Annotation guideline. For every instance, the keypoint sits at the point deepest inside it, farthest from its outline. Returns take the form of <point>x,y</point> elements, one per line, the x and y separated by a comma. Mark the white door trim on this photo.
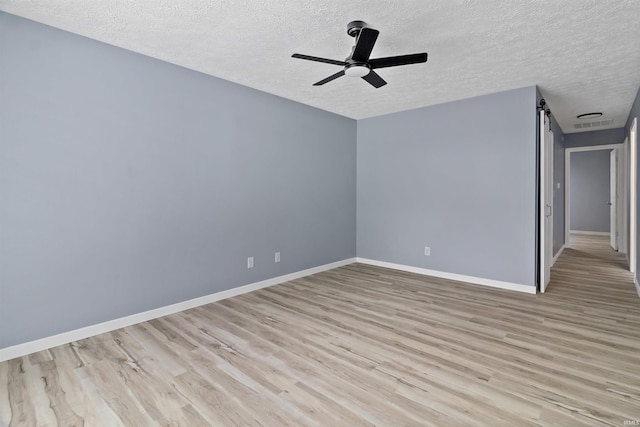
<point>613,198</point>
<point>633,171</point>
<point>567,183</point>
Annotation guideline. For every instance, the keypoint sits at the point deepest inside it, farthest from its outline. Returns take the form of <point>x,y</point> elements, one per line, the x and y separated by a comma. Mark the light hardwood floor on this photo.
<point>358,345</point>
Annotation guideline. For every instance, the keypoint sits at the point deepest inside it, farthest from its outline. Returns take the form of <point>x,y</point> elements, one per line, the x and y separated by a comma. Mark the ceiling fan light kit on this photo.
<point>356,70</point>
<point>358,63</point>
<point>589,115</point>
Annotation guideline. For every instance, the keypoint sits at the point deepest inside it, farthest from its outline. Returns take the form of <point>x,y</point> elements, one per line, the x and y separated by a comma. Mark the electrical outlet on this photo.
<point>427,251</point>
<point>250,262</point>
<point>277,257</point>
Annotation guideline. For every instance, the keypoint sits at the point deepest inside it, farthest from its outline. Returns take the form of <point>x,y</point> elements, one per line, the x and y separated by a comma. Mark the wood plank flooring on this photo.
<point>358,345</point>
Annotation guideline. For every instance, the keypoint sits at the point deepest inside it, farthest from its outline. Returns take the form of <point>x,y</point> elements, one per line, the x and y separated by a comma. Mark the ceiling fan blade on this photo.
<point>364,45</point>
<point>394,61</point>
<point>328,79</point>
<point>374,79</point>
<point>317,59</point>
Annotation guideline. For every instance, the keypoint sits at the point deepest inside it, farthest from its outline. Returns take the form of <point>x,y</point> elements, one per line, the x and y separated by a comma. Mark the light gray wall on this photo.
<point>127,183</point>
<point>458,177</point>
<point>635,112</point>
<point>590,190</point>
<point>599,137</point>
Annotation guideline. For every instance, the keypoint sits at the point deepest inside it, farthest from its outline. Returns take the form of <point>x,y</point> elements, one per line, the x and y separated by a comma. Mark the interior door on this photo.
<point>546,201</point>
<point>623,197</point>
<point>613,199</point>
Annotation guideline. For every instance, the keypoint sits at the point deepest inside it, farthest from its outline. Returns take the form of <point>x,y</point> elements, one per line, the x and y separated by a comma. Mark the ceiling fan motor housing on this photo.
<point>354,27</point>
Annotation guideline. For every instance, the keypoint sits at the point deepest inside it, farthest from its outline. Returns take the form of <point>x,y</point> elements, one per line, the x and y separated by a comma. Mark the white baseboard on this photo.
<point>89,331</point>
<point>452,276</point>
<point>635,281</point>
<point>590,233</point>
<point>556,256</point>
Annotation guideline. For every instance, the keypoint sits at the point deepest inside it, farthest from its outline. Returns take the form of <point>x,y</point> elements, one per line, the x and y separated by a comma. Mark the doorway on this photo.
<point>612,202</point>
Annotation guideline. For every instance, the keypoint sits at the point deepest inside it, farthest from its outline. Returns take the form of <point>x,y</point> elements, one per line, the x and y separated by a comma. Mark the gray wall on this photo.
<point>599,137</point>
<point>127,183</point>
<point>590,190</point>
<point>458,177</point>
<point>635,112</point>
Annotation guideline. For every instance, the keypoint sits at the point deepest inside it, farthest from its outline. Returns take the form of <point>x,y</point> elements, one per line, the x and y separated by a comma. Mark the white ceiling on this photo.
<point>583,54</point>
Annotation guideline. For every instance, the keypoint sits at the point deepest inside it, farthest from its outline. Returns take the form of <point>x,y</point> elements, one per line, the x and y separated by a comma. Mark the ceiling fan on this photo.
<point>358,63</point>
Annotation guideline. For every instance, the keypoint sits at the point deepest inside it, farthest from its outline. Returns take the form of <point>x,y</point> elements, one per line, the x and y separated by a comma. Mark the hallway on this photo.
<point>590,269</point>
<point>598,309</point>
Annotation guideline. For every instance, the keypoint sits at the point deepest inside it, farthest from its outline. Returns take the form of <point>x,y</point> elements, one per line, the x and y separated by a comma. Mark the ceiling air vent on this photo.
<point>592,124</point>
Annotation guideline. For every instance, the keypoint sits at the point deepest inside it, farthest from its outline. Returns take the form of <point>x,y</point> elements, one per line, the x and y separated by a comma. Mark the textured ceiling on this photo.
<point>583,54</point>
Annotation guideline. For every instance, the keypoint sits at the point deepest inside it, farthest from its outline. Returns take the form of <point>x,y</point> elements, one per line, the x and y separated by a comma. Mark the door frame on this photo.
<point>567,183</point>
<point>614,198</point>
<point>633,171</point>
